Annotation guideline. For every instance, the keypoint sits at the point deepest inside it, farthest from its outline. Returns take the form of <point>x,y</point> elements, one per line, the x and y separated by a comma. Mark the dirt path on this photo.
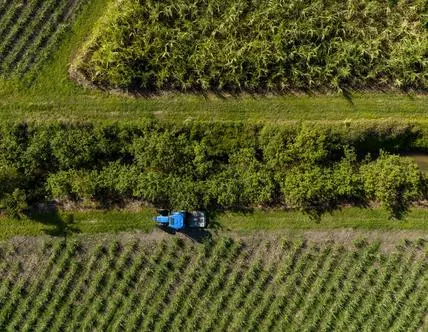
<point>388,239</point>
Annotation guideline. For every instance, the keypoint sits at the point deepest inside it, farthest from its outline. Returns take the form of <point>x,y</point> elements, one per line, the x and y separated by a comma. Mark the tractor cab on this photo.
<point>174,220</point>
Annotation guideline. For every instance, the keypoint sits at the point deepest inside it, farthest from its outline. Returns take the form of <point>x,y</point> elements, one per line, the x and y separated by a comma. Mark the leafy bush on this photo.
<point>317,189</point>
<point>310,189</point>
<point>184,193</point>
<point>74,147</point>
<point>114,182</point>
<point>152,187</point>
<point>162,151</point>
<point>393,181</point>
<point>256,181</point>
<point>75,185</point>
<point>13,200</point>
<point>9,178</point>
<point>308,144</point>
<point>14,204</point>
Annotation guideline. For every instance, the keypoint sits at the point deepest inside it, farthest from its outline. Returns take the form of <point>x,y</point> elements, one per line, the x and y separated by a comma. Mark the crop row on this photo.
<point>29,32</point>
<point>220,285</point>
<point>259,45</point>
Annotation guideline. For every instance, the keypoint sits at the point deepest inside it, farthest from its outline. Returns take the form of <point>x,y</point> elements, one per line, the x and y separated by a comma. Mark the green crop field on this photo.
<point>300,127</point>
<point>259,45</point>
<point>255,285</point>
<point>30,31</point>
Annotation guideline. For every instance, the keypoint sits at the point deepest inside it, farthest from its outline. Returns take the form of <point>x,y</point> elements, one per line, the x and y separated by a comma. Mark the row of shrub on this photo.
<point>314,168</point>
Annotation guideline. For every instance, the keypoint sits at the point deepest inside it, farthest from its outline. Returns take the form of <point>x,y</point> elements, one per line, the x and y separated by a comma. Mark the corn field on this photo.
<point>30,31</point>
<point>260,45</point>
<point>177,285</point>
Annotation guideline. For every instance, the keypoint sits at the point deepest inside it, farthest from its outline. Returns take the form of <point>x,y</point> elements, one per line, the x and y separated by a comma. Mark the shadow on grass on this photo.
<point>63,226</point>
<point>347,94</point>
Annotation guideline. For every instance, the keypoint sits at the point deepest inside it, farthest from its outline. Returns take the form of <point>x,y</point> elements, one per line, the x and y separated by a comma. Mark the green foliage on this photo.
<point>184,193</point>
<point>13,201</point>
<point>316,189</point>
<point>74,147</point>
<point>198,165</point>
<point>393,181</point>
<point>308,144</point>
<point>151,187</point>
<point>9,179</point>
<point>14,204</point>
<point>253,182</point>
<point>114,181</point>
<point>162,151</point>
<point>169,191</point>
<point>258,45</point>
<point>71,185</point>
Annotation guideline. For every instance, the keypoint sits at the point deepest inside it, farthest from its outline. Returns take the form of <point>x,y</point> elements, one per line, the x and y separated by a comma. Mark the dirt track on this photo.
<point>389,240</point>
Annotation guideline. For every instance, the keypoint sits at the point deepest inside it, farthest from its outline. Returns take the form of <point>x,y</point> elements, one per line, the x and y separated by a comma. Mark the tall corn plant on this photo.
<point>260,45</point>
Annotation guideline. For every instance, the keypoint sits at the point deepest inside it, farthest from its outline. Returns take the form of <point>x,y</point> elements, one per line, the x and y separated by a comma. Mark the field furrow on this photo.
<point>30,31</point>
<point>221,285</point>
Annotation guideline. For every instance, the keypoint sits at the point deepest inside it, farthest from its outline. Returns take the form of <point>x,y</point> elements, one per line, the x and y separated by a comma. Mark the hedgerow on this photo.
<point>314,168</point>
<point>258,45</point>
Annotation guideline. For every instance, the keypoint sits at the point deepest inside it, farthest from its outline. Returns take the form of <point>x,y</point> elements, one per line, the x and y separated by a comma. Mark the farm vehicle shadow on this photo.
<point>198,235</point>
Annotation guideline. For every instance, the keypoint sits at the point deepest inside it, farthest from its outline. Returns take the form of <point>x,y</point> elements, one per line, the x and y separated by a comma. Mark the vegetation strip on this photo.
<point>311,168</point>
<point>257,46</point>
<point>281,280</point>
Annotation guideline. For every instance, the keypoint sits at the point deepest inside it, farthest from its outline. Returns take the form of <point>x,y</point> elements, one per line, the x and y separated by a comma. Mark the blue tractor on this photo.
<point>180,220</point>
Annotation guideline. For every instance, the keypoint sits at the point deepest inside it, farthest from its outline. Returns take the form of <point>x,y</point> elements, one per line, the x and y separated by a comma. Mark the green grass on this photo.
<point>352,218</point>
<point>261,284</point>
<point>92,106</point>
<point>421,160</point>
<point>83,222</point>
<point>92,222</point>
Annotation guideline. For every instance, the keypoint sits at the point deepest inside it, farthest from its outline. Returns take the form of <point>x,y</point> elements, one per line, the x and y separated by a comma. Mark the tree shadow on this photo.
<point>213,219</point>
<point>347,94</point>
<point>64,226</point>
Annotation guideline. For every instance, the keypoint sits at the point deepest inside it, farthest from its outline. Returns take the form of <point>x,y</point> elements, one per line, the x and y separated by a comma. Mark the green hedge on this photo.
<point>241,45</point>
<point>315,168</point>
